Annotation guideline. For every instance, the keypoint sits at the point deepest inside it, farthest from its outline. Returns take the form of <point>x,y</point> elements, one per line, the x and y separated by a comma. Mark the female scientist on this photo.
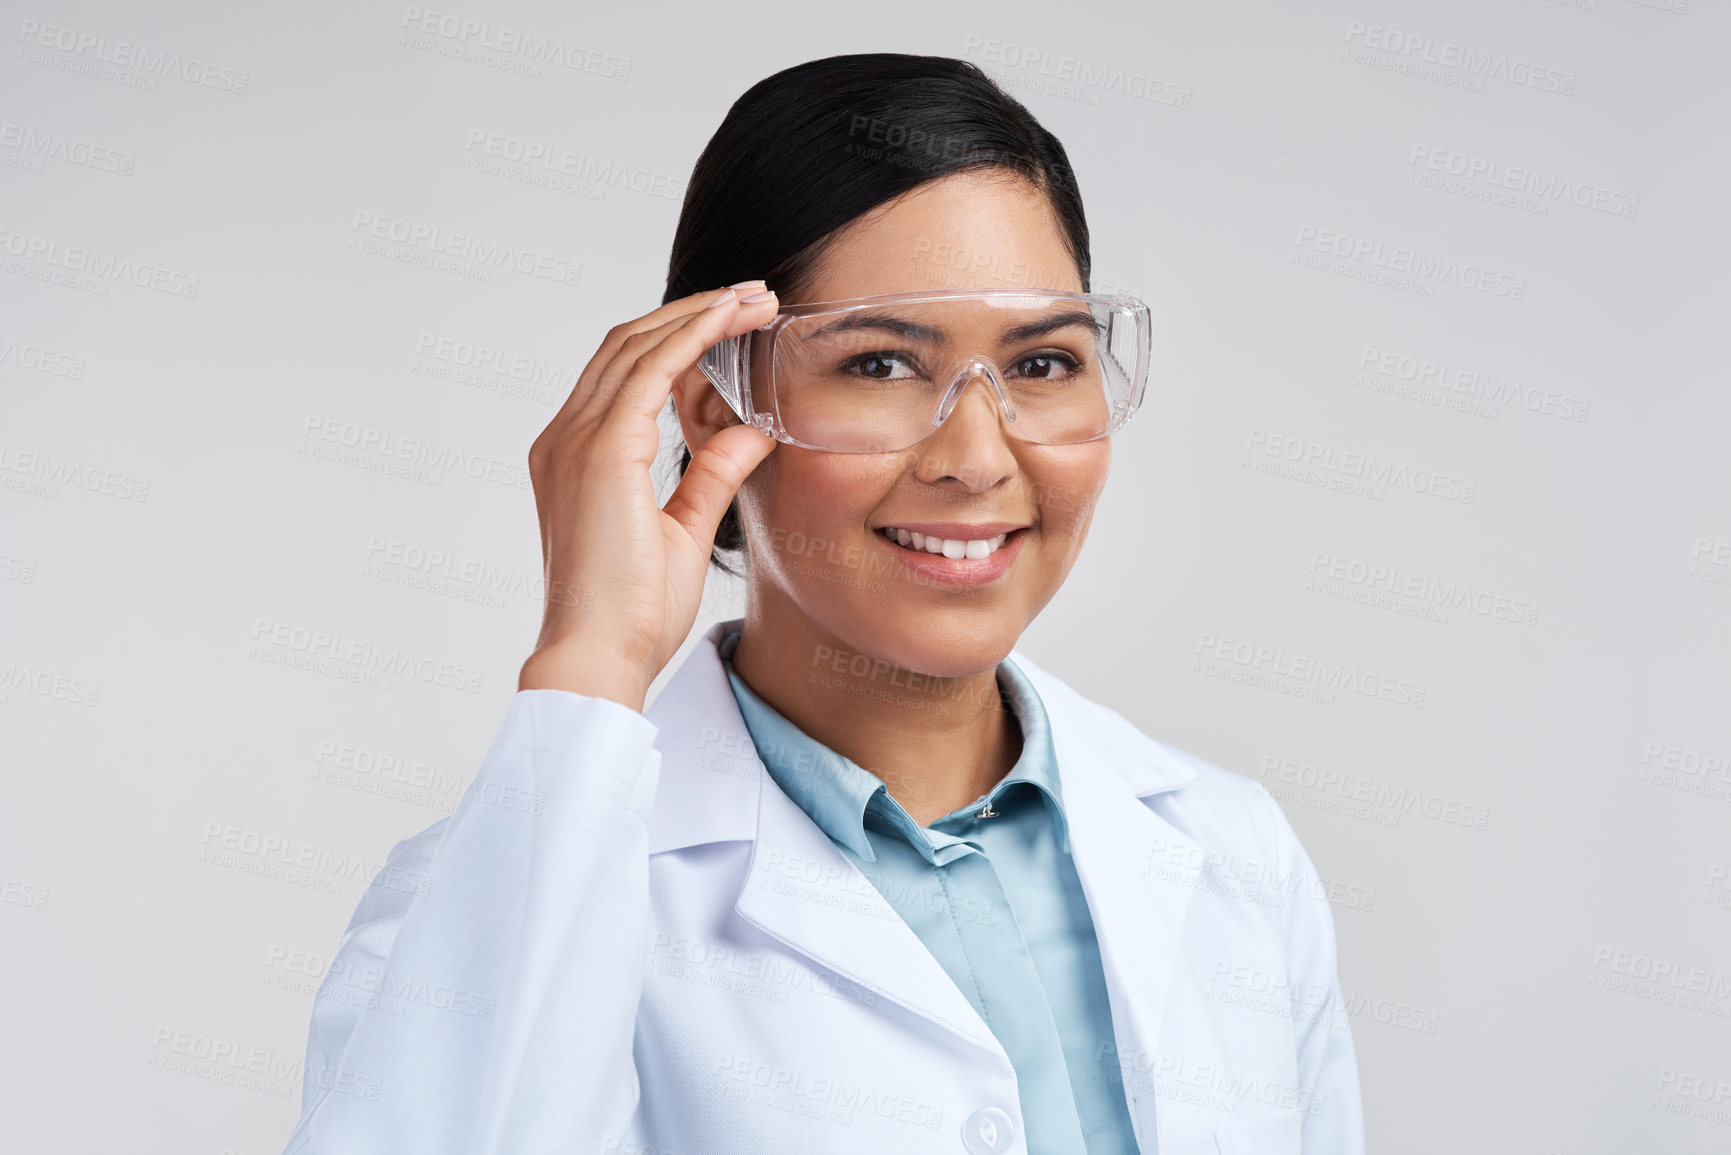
<point>863,879</point>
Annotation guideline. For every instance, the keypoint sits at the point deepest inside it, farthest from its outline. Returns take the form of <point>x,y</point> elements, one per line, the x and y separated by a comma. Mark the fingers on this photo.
<point>615,386</point>
<point>641,375</point>
<point>606,375</point>
<point>673,310</point>
<point>717,470</point>
<point>661,356</point>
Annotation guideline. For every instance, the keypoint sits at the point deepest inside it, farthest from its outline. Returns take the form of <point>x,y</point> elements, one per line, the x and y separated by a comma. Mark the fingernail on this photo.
<point>725,296</point>
<point>748,284</point>
<point>756,297</point>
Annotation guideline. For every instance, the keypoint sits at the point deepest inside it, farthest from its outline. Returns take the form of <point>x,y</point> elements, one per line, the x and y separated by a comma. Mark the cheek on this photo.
<point>1067,486</point>
<point>813,492</point>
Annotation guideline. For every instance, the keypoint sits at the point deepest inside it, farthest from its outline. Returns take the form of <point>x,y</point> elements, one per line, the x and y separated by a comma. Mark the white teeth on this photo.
<point>949,547</point>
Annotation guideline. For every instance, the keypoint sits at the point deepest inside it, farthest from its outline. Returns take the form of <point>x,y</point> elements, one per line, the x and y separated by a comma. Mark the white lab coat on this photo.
<point>627,939</point>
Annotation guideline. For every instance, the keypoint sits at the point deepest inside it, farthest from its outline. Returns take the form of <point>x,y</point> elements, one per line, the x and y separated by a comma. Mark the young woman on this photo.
<point>863,878</point>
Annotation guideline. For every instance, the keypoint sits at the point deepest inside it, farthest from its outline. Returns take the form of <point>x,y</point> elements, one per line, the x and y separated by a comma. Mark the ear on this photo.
<point>701,408</point>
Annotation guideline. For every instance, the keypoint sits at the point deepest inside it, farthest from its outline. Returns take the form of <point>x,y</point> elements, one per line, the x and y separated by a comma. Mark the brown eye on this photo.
<point>1046,367</point>
<point>879,366</point>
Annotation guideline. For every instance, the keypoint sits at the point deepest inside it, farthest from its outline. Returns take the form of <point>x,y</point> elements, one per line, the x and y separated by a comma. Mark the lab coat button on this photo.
<point>987,1131</point>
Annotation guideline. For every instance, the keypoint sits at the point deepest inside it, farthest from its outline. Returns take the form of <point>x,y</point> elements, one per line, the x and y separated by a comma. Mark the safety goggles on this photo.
<point>879,374</point>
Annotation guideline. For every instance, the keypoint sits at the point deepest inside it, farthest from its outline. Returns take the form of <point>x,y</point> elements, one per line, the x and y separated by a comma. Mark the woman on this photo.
<point>862,879</point>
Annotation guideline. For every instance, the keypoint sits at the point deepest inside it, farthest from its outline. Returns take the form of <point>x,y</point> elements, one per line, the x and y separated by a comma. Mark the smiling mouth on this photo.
<point>953,548</point>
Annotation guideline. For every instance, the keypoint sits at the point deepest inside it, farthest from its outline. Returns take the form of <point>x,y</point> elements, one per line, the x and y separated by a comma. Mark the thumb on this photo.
<point>718,468</point>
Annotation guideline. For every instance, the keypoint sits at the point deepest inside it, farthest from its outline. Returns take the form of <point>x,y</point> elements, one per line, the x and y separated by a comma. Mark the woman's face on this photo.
<point>815,521</point>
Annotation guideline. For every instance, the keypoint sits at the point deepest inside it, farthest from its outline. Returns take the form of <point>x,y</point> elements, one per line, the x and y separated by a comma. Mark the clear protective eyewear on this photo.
<point>880,374</point>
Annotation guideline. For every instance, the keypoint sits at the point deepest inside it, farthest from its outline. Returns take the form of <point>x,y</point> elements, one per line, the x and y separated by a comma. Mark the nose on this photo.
<point>969,443</point>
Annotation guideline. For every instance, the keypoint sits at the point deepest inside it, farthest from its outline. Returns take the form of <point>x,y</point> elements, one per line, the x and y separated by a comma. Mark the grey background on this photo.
<point>1501,979</point>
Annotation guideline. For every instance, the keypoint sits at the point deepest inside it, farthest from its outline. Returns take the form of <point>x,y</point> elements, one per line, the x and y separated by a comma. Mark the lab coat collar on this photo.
<point>839,793</point>
<point>706,750</point>
<point>802,890</point>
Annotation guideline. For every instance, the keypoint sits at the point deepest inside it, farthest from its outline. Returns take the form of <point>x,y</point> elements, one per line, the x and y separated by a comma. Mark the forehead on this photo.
<point>970,230</point>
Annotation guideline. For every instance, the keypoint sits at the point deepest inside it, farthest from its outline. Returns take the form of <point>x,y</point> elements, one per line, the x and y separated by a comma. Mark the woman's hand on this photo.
<point>624,577</point>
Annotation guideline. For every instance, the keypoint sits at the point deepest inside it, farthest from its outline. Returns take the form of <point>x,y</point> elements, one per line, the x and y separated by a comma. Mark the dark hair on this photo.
<point>806,151</point>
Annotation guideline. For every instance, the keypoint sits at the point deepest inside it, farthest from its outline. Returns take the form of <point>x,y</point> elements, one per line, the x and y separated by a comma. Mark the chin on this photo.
<point>953,642</point>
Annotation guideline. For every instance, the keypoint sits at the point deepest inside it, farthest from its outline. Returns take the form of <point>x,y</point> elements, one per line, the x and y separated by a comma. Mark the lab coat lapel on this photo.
<point>800,888</point>
<point>1137,870</point>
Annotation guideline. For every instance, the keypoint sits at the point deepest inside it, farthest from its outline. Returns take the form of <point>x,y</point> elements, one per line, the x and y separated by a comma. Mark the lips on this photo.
<point>995,547</point>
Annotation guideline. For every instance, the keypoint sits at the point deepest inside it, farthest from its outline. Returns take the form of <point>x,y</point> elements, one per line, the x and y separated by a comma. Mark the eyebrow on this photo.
<point>1049,324</point>
<point>915,331</point>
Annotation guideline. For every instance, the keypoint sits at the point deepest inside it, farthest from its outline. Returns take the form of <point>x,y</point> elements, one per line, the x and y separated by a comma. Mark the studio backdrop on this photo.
<point>1425,524</point>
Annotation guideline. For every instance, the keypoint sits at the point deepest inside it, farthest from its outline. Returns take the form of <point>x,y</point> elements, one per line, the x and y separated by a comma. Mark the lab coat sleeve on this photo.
<point>1328,1091</point>
<point>483,999</point>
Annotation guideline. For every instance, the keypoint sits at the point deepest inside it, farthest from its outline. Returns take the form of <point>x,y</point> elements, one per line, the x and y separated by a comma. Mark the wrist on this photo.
<point>582,673</point>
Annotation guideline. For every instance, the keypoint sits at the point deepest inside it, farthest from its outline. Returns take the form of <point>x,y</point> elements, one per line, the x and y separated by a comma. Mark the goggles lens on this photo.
<point>882,373</point>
